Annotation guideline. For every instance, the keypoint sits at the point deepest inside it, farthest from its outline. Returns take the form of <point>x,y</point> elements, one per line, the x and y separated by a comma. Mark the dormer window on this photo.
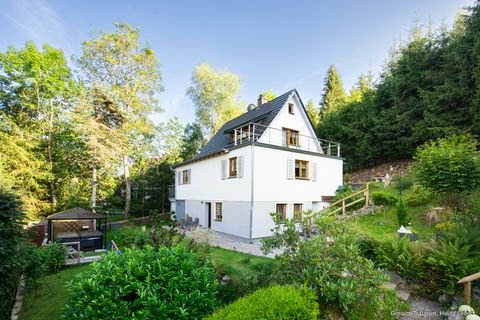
<point>291,137</point>
<point>291,108</point>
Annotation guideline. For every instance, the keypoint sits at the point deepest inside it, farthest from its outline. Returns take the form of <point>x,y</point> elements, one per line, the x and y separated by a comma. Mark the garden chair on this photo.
<point>72,253</point>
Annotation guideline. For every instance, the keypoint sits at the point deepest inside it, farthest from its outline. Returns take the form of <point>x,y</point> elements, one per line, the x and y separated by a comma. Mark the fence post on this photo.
<point>467,292</point>
<point>343,207</point>
<point>367,195</point>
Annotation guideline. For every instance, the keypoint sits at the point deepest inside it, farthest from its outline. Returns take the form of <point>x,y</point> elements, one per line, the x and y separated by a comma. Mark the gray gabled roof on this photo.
<point>263,115</point>
<point>76,214</point>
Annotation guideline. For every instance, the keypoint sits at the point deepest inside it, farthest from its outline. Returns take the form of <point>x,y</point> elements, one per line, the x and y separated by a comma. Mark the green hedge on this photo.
<point>276,303</point>
<point>164,283</point>
<point>383,199</point>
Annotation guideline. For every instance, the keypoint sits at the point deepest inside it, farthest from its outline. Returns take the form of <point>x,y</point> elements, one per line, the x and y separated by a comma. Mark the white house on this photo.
<point>266,160</point>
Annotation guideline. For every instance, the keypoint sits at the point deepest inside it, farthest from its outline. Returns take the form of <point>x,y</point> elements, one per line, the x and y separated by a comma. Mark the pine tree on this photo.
<point>333,93</point>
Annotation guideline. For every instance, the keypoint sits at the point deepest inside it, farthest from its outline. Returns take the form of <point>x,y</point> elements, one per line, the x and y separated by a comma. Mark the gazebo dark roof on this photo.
<point>76,214</point>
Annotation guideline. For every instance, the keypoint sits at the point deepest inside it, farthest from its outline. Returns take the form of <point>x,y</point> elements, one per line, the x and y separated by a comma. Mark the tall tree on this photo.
<point>313,112</point>
<point>192,142</point>
<point>215,95</point>
<point>99,118</point>
<point>117,61</point>
<point>171,140</point>
<point>36,89</point>
<point>334,94</point>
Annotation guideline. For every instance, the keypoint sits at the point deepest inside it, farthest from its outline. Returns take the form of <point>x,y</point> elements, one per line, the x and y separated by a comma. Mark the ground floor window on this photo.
<point>281,210</point>
<point>218,211</point>
<point>297,211</point>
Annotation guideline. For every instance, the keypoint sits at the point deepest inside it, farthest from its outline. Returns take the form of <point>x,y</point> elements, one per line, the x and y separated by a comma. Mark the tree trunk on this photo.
<point>53,189</point>
<point>94,189</point>
<point>128,187</point>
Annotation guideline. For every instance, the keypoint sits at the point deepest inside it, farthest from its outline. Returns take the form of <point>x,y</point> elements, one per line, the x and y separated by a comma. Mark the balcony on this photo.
<point>284,138</point>
<point>171,191</point>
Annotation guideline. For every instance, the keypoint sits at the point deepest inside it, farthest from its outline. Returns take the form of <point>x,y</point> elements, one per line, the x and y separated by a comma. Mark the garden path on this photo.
<point>420,308</point>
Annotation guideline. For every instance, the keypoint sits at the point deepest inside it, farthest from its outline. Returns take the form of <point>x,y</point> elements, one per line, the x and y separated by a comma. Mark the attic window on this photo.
<point>291,108</point>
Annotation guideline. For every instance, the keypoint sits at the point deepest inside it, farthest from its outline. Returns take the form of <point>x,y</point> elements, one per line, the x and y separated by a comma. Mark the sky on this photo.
<point>277,45</point>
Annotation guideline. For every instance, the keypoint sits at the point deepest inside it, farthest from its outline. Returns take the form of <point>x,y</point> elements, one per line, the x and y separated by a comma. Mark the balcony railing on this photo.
<point>278,137</point>
<point>171,191</point>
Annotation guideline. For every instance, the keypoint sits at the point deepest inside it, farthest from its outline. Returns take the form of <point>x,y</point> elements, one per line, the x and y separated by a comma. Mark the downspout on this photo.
<point>252,148</point>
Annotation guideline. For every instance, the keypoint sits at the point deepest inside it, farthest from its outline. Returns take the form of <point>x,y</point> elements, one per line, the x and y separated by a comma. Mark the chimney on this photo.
<point>261,100</point>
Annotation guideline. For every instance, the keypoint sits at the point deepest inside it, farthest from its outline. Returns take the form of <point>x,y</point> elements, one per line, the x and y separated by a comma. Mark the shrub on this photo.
<point>125,237</point>
<point>383,199</point>
<point>402,183</point>
<point>331,264</point>
<point>401,256</point>
<point>448,263</point>
<point>449,167</point>
<point>402,213</point>
<point>163,283</point>
<point>416,200</point>
<point>239,286</point>
<point>142,239</point>
<point>34,266</point>
<point>11,240</point>
<point>277,302</point>
<point>54,255</point>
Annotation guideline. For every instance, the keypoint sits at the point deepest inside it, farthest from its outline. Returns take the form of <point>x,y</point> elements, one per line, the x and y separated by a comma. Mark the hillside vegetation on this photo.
<point>430,88</point>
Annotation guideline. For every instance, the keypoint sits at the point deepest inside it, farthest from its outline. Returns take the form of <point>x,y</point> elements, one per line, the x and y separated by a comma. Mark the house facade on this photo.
<point>266,160</point>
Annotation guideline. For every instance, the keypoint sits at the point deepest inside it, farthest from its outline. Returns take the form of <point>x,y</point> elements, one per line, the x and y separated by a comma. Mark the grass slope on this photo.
<point>46,304</point>
<point>384,225</point>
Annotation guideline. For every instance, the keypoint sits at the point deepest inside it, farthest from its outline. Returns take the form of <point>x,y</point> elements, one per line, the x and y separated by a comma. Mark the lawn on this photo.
<point>384,224</point>
<point>46,304</point>
<point>236,264</point>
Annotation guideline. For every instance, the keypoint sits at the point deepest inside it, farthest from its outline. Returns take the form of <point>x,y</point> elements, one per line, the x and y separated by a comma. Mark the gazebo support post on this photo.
<point>49,231</point>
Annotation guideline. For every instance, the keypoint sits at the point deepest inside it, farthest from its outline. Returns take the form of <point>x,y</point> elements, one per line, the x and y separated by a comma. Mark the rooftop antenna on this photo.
<point>250,107</point>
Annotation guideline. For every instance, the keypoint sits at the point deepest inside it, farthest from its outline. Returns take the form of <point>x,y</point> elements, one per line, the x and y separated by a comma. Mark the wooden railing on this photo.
<point>342,205</point>
<point>467,289</point>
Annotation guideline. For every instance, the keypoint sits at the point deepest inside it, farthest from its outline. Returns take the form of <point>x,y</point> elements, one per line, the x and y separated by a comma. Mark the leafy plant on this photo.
<point>125,237</point>
<point>331,264</point>
<point>401,256</point>
<point>448,263</point>
<point>277,302</point>
<point>34,268</point>
<point>163,283</point>
<point>449,167</point>
<point>381,198</point>
<point>54,256</point>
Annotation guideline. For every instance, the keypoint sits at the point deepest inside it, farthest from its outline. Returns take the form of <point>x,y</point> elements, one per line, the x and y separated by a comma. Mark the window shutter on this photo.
<point>189,176</point>
<point>224,169</point>
<point>179,175</point>
<point>290,169</point>
<point>240,167</point>
<point>284,138</point>
<point>314,171</point>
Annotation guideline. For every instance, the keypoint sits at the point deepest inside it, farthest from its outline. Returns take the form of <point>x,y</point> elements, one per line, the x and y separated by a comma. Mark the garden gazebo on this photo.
<point>78,225</point>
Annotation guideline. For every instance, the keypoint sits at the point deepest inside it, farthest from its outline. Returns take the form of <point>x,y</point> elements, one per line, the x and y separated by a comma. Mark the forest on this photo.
<point>80,133</point>
<point>429,89</point>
